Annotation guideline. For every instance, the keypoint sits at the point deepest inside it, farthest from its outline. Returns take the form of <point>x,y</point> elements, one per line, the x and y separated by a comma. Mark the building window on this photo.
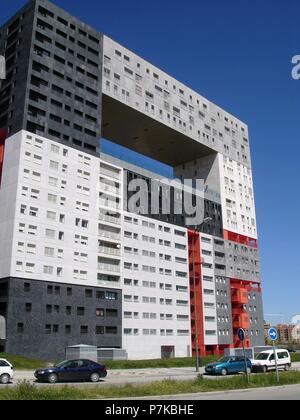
<point>100,312</point>
<point>20,328</point>
<point>80,311</point>
<point>28,307</point>
<point>55,328</point>
<point>84,329</point>
<point>88,293</point>
<point>112,313</point>
<point>48,329</point>
<point>99,330</point>
<point>50,290</point>
<point>27,287</point>
<point>111,330</point>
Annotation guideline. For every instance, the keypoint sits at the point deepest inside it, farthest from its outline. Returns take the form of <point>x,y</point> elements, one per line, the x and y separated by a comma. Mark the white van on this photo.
<point>6,372</point>
<point>265,360</point>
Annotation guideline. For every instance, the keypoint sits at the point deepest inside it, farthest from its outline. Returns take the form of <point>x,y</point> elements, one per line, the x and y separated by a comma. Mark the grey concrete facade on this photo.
<point>44,318</point>
<point>256,318</point>
<point>54,76</point>
<point>242,262</point>
<point>224,310</point>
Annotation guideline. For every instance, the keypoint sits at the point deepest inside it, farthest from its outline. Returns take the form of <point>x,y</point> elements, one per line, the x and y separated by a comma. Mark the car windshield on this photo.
<point>62,364</point>
<point>262,356</point>
<point>224,359</point>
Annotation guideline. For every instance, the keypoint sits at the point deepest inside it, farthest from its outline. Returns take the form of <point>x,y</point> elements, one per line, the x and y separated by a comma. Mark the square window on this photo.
<point>26,287</point>
<point>20,328</point>
<point>28,307</point>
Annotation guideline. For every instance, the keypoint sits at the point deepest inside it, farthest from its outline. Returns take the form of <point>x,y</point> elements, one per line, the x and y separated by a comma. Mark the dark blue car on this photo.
<point>72,371</point>
<point>229,365</point>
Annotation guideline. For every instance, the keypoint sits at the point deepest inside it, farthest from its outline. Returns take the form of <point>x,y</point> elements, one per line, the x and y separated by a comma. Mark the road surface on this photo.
<point>133,376</point>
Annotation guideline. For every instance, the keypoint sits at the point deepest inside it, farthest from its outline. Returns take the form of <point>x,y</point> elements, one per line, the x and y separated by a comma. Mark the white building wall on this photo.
<point>137,83</point>
<point>156,305</point>
<point>209,291</point>
<point>237,197</point>
<point>50,213</point>
<point>8,192</point>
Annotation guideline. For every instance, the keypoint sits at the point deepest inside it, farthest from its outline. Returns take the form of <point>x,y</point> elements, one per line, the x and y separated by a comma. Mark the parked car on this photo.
<point>229,365</point>
<point>6,372</point>
<point>73,371</point>
<point>292,350</point>
<point>265,360</point>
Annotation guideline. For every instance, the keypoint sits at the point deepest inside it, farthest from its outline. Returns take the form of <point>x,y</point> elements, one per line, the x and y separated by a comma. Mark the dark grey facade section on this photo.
<point>54,76</point>
<point>170,195</point>
<point>223,295</point>
<point>224,311</point>
<point>242,262</point>
<point>256,318</point>
<point>43,318</point>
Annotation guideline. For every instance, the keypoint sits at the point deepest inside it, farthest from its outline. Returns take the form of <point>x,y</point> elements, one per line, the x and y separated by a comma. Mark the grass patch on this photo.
<point>295,357</point>
<point>23,363</point>
<point>160,363</point>
<point>26,391</point>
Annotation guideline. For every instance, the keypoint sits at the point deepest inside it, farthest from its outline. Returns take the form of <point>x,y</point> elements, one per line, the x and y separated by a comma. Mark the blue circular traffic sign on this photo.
<point>241,334</point>
<point>273,334</point>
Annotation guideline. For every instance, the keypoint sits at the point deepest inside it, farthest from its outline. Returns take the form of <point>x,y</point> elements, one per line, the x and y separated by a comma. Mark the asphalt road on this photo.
<point>132,376</point>
<point>121,377</point>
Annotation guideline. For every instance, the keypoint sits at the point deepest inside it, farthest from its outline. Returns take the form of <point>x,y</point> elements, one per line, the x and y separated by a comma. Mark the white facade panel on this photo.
<point>156,299</point>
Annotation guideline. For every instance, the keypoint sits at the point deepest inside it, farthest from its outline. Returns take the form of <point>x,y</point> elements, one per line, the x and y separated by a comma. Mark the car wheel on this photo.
<point>264,369</point>
<point>95,377</point>
<point>52,379</point>
<point>287,368</point>
<point>5,379</point>
<point>224,372</point>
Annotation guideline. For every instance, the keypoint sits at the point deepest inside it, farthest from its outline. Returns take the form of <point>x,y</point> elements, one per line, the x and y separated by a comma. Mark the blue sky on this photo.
<point>238,54</point>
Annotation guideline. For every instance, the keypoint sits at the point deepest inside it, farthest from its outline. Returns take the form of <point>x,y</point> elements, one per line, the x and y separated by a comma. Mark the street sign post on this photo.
<point>242,337</point>
<point>273,335</point>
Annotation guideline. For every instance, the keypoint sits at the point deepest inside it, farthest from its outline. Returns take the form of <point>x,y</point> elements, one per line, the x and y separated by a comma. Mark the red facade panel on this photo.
<point>196,295</point>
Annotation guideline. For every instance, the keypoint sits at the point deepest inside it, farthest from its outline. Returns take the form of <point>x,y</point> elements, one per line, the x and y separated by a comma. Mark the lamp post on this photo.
<point>197,230</point>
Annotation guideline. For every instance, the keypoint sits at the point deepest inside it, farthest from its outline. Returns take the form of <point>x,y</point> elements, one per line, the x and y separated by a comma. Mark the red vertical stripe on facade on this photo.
<point>2,147</point>
<point>195,258</point>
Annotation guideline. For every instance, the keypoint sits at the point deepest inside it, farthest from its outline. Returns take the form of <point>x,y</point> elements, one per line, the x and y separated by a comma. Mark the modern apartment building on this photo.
<point>78,265</point>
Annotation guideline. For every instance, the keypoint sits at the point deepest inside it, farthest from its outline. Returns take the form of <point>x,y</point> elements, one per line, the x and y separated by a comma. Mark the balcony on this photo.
<point>239,296</point>
<point>240,321</point>
<point>111,268</point>
<point>109,235</point>
<point>219,260</point>
<point>109,251</point>
<point>112,204</point>
<point>110,219</point>
<point>109,189</point>
<point>109,173</point>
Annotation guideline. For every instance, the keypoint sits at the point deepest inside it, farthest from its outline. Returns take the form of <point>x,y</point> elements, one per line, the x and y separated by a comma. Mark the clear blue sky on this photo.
<point>237,53</point>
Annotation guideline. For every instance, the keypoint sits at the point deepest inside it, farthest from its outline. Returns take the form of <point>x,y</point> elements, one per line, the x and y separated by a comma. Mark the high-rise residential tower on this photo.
<point>77,265</point>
